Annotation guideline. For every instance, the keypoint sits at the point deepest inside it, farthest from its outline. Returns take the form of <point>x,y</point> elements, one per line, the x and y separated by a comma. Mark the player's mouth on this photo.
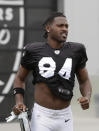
<point>64,35</point>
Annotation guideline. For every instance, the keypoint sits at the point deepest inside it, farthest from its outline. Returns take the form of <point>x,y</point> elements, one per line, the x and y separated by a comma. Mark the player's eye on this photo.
<point>66,25</point>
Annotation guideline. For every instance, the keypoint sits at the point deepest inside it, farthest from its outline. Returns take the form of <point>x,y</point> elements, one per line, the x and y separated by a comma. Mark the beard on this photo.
<point>59,40</point>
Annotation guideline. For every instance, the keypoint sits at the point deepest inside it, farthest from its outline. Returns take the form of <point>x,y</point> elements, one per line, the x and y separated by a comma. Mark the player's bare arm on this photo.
<point>85,88</point>
<point>18,86</point>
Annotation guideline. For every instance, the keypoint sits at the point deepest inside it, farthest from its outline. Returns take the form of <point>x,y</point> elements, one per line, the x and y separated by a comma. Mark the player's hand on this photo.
<point>84,102</point>
<point>17,109</point>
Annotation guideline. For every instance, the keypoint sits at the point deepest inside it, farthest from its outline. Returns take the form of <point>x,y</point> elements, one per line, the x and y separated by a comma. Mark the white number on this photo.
<point>65,71</point>
<point>47,67</point>
<point>4,36</point>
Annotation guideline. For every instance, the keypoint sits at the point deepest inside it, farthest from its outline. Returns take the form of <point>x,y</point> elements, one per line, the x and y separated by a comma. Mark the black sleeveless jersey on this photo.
<point>54,66</point>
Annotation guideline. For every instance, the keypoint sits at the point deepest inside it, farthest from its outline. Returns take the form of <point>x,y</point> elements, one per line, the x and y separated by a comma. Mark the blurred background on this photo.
<point>21,23</point>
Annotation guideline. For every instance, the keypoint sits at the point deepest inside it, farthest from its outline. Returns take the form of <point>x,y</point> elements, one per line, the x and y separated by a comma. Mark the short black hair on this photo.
<point>50,19</point>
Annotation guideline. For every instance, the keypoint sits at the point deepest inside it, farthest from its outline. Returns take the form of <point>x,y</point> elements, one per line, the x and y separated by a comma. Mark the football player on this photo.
<point>54,65</point>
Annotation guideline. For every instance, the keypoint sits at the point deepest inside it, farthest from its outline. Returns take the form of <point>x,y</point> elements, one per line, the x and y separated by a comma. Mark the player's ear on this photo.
<point>47,28</point>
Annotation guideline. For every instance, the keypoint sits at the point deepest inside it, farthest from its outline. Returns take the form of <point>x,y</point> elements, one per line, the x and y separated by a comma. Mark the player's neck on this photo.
<point>55,44</point>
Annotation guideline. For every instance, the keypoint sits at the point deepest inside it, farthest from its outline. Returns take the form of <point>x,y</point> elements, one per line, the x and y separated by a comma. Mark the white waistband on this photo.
<point>52,112</point>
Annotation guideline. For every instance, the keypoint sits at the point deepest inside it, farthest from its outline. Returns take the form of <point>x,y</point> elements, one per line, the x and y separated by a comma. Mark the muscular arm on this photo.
<point>19,82</point>
<point>85,87</point>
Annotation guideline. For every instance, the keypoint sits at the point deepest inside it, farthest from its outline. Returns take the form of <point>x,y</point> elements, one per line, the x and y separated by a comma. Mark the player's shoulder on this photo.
<point>34,46</point>
<point>76,45</point>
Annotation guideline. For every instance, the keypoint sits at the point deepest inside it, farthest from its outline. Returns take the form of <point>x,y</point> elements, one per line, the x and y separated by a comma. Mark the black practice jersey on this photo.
<point>54,66</point>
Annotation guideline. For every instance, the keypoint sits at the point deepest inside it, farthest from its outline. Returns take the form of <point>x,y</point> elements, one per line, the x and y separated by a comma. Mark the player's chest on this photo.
<point>55,59</point>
